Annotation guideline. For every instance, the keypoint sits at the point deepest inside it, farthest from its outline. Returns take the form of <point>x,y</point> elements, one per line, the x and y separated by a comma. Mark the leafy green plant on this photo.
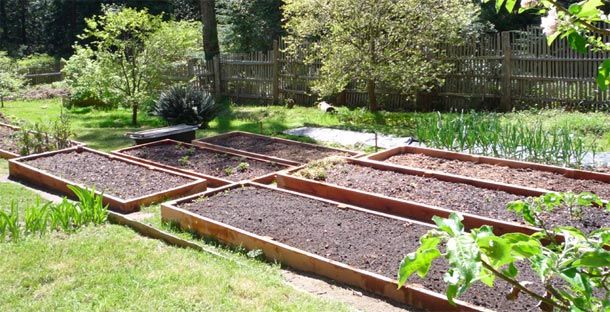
<point>573,267</point>
<point>185,104</point>
<point>37,63</point>
<point>184,160</point>
<point>40,137</point>
<point>10,80</point>
<point>229,171</point>
<point>65,216</point>
<point>243,167</point>
<point>488,135</point>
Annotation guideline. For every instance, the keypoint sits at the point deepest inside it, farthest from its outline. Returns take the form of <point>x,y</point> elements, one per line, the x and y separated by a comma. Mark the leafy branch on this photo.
<point>573,267</point>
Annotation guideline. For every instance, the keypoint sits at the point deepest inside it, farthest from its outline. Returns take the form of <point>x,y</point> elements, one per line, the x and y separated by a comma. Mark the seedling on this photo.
<point>229,171</point>
<point>243,167</point>
<point>184,160</point>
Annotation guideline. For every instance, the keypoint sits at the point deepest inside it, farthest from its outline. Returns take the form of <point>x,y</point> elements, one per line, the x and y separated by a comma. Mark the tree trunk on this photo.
<point>210,31</point>
<point>1,101</point>
<point>134,115</point>
<point>370,89</point>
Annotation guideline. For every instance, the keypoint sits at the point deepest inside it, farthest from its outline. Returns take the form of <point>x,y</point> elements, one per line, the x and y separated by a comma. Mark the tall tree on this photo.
<point>376,42</point>
<point>210,29</point>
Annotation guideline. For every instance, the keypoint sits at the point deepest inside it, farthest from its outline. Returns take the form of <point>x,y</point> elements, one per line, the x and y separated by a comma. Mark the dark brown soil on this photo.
<point>7,140</point>
<point>525,177</point>
<point>366,241</point>
<point>454,196</point>
<point>113,177</point>
<point>205,161</point>
<point>296,152</point>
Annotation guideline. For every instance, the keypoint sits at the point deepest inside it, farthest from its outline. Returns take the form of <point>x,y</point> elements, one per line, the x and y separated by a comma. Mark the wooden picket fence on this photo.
<point>507,70</point>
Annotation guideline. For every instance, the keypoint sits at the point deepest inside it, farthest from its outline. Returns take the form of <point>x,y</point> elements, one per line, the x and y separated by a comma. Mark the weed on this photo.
<point>229,171</point>
<point>317,170</point>
<point>190,151</point>
<point>184,160</point>
<point>243,167</point>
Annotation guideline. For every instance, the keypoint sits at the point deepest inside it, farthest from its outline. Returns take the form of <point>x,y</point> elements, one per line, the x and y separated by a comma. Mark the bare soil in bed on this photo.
<point>296,152</point>
<point>363,240</point>
<point>7,140</point>
<point>525,177</point>
<point>218,164</point>
<point>111,176</point>
<point>454,196</point>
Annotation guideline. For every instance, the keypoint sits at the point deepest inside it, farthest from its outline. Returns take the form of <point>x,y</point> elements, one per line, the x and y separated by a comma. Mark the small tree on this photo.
<point>10,80</point>
<point>389,42</point>
<point>131,50</point>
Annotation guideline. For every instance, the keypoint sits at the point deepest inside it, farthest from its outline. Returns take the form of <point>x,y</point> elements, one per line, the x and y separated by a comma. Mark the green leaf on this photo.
<point>522,245</point>
<point>420,260</point>
<point>575,8</point>
<point>551,38</point>
<point>586,199</point>
<point>589,9</point>
<point>511,271</point>
<point>496,249</point>
<point>596,258</point>
<point>452,226</point>
<point>499,5</point>
<point>603,75</point>
<point>510,5</point>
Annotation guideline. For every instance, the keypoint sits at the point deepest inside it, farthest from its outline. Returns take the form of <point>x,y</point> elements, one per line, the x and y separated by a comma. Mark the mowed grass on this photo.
<point>105,130</point>
<point>110,268</point>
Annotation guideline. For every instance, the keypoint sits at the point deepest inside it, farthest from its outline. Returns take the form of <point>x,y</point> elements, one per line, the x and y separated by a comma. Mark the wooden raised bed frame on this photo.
<point>305,261</point>
<point>213,181</point>
<point>567,172</point>
<point>10,155</point>
<point>19,170</point>
<point>406,208</point>
<point>202,142</point>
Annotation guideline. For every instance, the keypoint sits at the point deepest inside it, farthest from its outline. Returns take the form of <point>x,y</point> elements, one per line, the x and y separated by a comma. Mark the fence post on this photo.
<point>217,89</point>
<point>276,72</point>
<point>505,99</point>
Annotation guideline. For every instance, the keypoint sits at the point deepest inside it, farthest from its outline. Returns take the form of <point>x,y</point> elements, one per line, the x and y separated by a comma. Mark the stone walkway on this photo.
<point>349,138</point>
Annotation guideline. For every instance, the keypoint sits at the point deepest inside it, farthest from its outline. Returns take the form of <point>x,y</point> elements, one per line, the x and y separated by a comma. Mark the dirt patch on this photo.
<point>525,177</point>
<point>111,176</point>
<point>363,240</point>
<point>292,151</point>
<point>454,196</point>
<point>8,140</point>
<point>218,164</point>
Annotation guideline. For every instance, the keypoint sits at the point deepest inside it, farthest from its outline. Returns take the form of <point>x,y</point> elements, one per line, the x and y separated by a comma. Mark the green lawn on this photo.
<point>106,130</point>
<point>110,268</point>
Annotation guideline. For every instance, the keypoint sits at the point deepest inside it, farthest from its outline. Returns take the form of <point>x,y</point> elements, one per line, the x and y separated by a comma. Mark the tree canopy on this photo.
<point>385,42</point>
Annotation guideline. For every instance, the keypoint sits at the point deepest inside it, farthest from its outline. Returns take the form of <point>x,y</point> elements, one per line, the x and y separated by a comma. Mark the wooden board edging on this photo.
<point>213,181</point>
<point>203,142</point>
<point>308,262</point>
<point>19,170</point>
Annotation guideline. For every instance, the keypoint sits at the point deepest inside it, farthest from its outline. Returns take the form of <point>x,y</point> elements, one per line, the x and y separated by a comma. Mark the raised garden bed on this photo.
<point>125,184</point>
<point>416,194</point>
<point>496,169</point>
<point>9,148</point>
<point>271,148</point>
<point>217,167</point>
<point>349,244</point>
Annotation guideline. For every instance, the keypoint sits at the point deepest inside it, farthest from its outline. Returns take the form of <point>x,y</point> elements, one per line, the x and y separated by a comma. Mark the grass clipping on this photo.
<point>317,169</point>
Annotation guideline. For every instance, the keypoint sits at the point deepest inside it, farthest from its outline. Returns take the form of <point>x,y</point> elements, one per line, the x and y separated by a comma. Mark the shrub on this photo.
<point>184,104</point>
<point>40,138</point>
<point>37,63</point>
